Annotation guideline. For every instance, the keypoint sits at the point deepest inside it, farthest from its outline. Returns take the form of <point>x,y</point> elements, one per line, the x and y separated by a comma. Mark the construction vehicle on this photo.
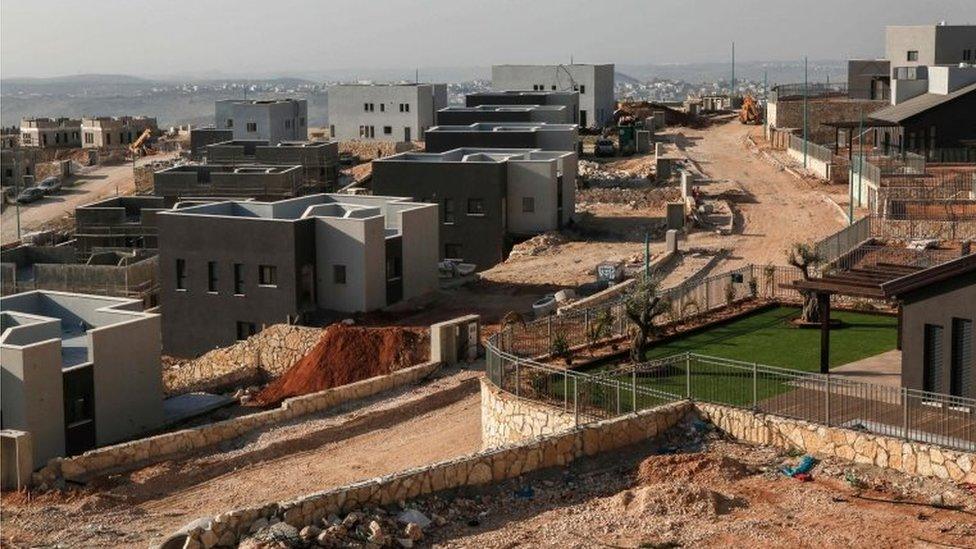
<point>139,147</point>
<point>750,113</point>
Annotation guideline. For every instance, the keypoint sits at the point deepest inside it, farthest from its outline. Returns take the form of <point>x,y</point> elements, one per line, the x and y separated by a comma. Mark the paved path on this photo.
<point>883,369</point>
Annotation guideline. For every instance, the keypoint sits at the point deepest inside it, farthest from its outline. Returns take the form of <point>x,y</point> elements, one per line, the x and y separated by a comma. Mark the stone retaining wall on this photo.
<point>140,452</point>
<point>481,468</point>
<point>912,458</point>
<point>265,355</point>
<point>507,420</point>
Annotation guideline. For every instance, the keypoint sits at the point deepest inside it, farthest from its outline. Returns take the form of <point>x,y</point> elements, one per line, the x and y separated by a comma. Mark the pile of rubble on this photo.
<point>594,174</point>
<point>370,527</point>
<point>634,198</point>
<point>371,150</point>
<point>538,245</point>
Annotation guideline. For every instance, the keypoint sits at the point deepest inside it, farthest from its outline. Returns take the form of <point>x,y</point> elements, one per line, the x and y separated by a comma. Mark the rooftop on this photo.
<point>504,108</point>
<point>476,155</point>
<point>504,127</point>
<point>39,316</point>
<point>522,92</point>
<point>917,105</point>
<point>259,101</point>
<point>251,143</point>
<point>249,169</point>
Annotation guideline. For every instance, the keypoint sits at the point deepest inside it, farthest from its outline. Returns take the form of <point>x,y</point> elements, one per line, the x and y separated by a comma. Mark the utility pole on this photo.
<point>805,91</point>
<point>732,88</point>
<point>765,100</point>
<point>647,255</point>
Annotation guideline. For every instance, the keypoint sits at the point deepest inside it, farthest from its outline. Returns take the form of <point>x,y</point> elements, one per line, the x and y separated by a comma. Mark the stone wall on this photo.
<point>120,457</point>
<point>908,457</point>
<point>476,469</point>
<point>789,114</point>
<point>265,355</point>
<point>508,420</point>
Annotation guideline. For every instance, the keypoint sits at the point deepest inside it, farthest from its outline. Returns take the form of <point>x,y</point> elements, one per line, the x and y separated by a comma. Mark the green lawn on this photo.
<point>765,337</point>
<point>768,338</point>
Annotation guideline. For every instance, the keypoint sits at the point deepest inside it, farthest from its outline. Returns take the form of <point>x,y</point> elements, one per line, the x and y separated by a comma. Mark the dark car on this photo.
<point>30,194</point>
<point>604,147</point>
<point>50,185</point>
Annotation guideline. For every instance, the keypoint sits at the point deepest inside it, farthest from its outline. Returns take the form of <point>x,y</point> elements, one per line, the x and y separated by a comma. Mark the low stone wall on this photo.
<point>908,457</point>
<point>143,451</point>
<point>814,165</point>
<point>508,420</point>
<point>476,469</point>
<point>266,355</point>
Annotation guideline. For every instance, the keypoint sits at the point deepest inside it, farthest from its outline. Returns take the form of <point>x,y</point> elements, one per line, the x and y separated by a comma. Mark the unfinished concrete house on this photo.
<point>124,222</point>
<point>227,181</point>
<point>108,131</point>
<point>79,371</point>
<point>568,99</point>
<point>272,120</point>
<point>50,132</point>
<point>319,159</point>
<point>228,269</point>
<point>594,83</point>
<point>488,198</point>
<point>201,137</point>
<point>384,112</point>
<point>550,114</point>
<point>504,135</point>
<point>912,49</point>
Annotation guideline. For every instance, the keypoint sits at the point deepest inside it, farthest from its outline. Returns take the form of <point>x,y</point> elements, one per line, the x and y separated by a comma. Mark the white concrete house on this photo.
<point>593,82</point>
<point>384,112</point>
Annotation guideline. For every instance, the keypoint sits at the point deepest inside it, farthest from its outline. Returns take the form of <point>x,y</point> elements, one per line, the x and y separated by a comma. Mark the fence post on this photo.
<point>755,385</point>
<point>617,383</point>
<point>516,378</point>
<point>586,323</point>
<point>576,400</point>
<point>633,389</point>
<point>688,375</point>
<point>549,333</point>
<point>827,400</point>
<point>904,412</point>
<point>565,390</point>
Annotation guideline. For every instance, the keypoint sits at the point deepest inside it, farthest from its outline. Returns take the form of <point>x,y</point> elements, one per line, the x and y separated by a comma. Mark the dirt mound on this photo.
<point>343,355</point>
<point>675,499</point>
<point>701,468</point>
<point>538,244</point>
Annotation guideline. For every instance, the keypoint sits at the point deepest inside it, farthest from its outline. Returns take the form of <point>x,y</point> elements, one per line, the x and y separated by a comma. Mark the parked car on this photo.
<point>30,194</point>
<point>604,147</point>
<point>50,185</point>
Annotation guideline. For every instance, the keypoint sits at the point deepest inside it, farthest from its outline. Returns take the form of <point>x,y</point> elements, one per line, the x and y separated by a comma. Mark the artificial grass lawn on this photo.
<point>765,337</point>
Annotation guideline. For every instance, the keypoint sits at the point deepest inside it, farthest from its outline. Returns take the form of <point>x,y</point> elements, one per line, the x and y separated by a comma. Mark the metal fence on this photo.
<point>813,150</point>
<point>844,240</point>
<point>931,418</point>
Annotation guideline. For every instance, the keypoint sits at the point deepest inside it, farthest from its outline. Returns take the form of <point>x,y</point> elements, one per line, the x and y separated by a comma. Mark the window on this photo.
<point>288,124</point>
<point>476,206</point>
<point>382,107</point>
<point>180,274</point>
<point>252,127</point>
<point>452,251</point>
<point>404,107</point>
<point>57,137</point>
<point>238,279</point>
<point>212,276</point>
<point>332,130</point>
<point>230,123</point>
<point>912,55</point>
<point>387,130</point>
<point>582,89</point>
<point>553,88</point>
<point>365,107</point>
<point>932,358</point>
<point>528,204</point>
<point>394,268</point>
<point>962,369</point>
<point>267,275</point>
<point>449,211</point>
<point>245,330</point>
<point>339,274</point>
<point>108,139</point>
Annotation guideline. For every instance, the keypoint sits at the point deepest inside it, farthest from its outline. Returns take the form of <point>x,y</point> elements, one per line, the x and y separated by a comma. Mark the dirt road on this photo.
<point>379,436</point>
<point>96,184</point>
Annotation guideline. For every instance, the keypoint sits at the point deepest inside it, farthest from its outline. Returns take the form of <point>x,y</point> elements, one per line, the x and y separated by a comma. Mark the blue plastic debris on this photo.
<point>806,464</point>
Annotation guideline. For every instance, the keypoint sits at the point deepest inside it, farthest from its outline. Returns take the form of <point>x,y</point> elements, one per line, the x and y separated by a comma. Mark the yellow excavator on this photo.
<point>750,113</point>
<point>139,146</point>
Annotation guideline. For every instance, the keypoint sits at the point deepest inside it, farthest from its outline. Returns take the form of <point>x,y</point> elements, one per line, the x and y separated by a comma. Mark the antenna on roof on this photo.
<point>416,76</point>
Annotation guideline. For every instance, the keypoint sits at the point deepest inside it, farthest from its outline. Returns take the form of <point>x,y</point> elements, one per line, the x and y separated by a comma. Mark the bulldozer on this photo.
<point>750,112</point>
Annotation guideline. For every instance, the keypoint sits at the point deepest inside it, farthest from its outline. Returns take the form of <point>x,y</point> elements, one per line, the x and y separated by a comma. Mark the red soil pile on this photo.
<point>346,354</point>
<point>702,468</point>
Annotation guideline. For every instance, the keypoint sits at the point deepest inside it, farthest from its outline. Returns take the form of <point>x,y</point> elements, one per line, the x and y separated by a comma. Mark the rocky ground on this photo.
<point>692,489</point>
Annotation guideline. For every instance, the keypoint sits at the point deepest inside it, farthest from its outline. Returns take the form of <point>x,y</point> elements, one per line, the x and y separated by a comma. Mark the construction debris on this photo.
<point>538,245</point>
<point>595,174</point>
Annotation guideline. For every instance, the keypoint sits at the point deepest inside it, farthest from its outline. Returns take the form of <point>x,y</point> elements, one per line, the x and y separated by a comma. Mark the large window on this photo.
<point>932,357</point>
<point>912,55</point>
<point>267,275</point>
<point>230,123</point>
<point>528,204</point>
<point>449,211</point>
<point>339,274</point>
<point>394,268</point>
<point>212,276</point>
<point>476,206</point>
<point>962,371</point>
<point>252,127</point>
<point>238,279</point>
<point>180,274</point>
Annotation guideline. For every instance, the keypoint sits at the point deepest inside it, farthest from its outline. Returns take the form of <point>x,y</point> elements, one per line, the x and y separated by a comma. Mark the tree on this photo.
<point>642,306</point>
<point>509,321</point>
<point>805,257</point>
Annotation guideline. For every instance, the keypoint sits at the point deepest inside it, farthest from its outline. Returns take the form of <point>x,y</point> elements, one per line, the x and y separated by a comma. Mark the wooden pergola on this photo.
<point>850,125</point>
<point>881,280</point>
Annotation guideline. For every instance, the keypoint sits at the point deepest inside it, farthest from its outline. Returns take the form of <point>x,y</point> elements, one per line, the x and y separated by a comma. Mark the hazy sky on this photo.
<point>58,37</point>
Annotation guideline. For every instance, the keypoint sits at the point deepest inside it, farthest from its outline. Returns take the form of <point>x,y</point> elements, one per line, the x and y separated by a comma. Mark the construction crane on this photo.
<point>750,112</point>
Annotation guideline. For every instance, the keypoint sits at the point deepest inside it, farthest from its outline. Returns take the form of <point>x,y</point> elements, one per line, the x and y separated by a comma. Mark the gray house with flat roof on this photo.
<point>550,114</point>
<point>319,159</point>
<point>227,181</point>
<point>504,135</point>
<point>488,198</point>
<point>273,120</point>
<point>79,371</point>
<point>594,83</point>
<point>230,268</point>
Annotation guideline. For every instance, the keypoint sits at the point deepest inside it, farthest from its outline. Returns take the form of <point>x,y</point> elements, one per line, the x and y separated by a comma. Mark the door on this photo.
<point>583,119</point>
<point>406,133</point>
<point>79,410</point>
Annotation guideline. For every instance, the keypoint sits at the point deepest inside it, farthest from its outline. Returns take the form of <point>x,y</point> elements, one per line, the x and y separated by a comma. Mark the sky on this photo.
<point>172,37</point>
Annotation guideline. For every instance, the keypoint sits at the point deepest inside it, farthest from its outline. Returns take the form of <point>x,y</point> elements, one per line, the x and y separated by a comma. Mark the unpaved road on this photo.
<point>382,435</point>
<point>96,184</point>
